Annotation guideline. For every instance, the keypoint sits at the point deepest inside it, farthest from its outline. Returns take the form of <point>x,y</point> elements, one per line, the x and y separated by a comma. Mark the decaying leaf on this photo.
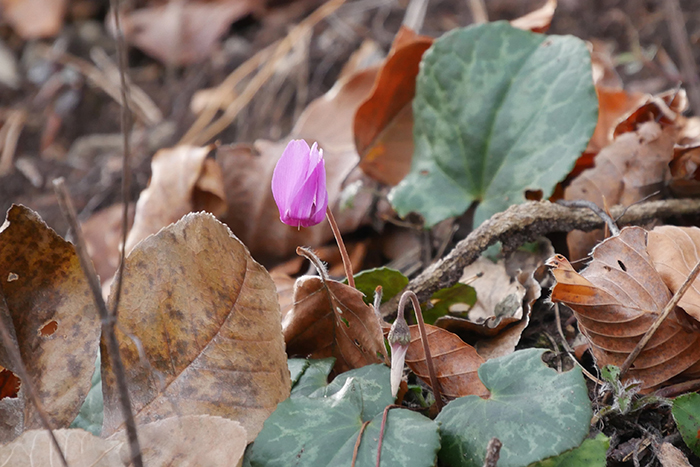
<point>253,215</point>
<point>82,449</point>
<point>628,170</point>
<point>685,176</point>
<point>616,298</point>
<point>182,33</point>
<point>204,315</point>
<point>674,253</point>
<point>55,322</point>
<point>190,440</point>
<point>456,363</point>
<point>538,20</point>
<point>330,319</point>
<point>184,180</point>
<point>384,122</point>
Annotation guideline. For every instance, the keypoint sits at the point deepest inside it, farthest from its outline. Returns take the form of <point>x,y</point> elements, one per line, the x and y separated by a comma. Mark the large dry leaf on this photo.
<point>253,215</point>
<point>207,319</point>
<point>184,179</point>
<point>183,32</point>
<point>616,298</point>
<point>628,170</point>
<point>33,19</point>
<point>82,449</point>
<point>54,320</point>
<point>330,319</point>
<point>384,122</point>
<point>200,440</point>
<point>456,363</point>
<point>675,251</point>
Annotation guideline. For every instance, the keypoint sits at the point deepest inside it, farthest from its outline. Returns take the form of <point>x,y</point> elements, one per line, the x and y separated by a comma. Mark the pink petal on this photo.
<point>290,172</point>
<point>398,356</point>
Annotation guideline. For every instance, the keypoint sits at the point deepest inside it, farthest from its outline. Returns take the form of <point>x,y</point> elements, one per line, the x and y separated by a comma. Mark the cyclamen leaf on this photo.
<point>686,413</point>
<point>497,111</point>
<point>591,453</point>
<point>534,411</point>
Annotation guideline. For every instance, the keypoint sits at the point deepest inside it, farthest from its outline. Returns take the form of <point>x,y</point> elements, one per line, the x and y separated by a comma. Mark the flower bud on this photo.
<point>299,185</point>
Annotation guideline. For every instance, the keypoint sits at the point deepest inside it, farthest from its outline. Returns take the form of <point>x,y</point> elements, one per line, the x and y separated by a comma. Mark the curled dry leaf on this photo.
<point>616,299</point>
<point>384,121</point>
<point>674,252</point>
<point>81,449</point>
<point>253,215</point>
<point>199,330</point>
<point>190,440</point>
<point>183,180</point>
<point>182,33</point>
<point>630,169</point>
<point>456,363</point>
<point>34,19</point>
<point>685,176</point>
<point>55,322</point>
<point>538,20</point>
<point>330,319</point>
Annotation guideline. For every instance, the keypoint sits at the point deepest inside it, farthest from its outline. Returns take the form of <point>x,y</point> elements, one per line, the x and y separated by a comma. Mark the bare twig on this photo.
<point>426,346</point>
<point>479,14</point>
<point>415,14</point>
<point>10,340</point>
<point>524,223</point>
<point>493,453</point>
<point>108,320</point>
<point>679,37</point>
<point>582,203</point>
<point>265,74</point>
<point>356,450</point>
<point>570,351</point>
<point>341,246</point>
<point>9,135</point>
<point>670,306</point>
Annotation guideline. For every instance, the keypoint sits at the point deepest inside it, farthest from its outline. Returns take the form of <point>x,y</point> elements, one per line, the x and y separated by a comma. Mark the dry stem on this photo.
<point>524,223</point>
<point>670,306</point>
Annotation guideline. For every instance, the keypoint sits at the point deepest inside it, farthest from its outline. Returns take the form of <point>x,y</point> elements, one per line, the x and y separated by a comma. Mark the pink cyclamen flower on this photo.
<point>299,184</point>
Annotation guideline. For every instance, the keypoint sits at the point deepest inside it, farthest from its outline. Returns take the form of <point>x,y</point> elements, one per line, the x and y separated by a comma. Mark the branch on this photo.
<point>523,223</point>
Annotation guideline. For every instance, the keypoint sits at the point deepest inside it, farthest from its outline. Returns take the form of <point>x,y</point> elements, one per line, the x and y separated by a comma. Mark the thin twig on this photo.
<point>479,13</point>
<point>670,306</point>
<point>524,223</point>
<point>267,71</point>
<point>426,346</point>
<point>570,351</point>
<point>356,450</point>
<point>679,37</point>
<point>580,203</point>
<point>10,131</point>
<point>106,318</point>
<point>385,415</point>
<point>13,352</point>
<point>341,246</point>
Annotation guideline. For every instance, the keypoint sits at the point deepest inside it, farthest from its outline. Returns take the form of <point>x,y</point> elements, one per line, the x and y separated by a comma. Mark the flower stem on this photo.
<point>341,247</point>
<point>426,347</point>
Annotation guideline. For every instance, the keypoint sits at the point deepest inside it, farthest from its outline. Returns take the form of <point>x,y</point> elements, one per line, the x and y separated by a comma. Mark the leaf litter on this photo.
<point>183,299</point>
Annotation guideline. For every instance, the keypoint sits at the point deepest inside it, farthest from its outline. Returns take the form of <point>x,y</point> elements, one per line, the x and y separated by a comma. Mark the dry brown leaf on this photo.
<point>182,32</point>
<point>82,449</point>
<point>55,322</point>
<point>616,298</point>
<point>253,215</point>
<point>456,363</point>
<point>651,110</point>
<point>285,291</point>
<point>183,180</point>
<point>628,170</point>
<point>671,456</point>
<point>685,176</point>
<point>34,19</point>
<point>674,252</point>
<point>207,319</point>
<point>330,319</point>
<point>538,20</point>
<point>193,440</point>
<point>384,121</point>
<point>505,294</point>
<point>103,236</point>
